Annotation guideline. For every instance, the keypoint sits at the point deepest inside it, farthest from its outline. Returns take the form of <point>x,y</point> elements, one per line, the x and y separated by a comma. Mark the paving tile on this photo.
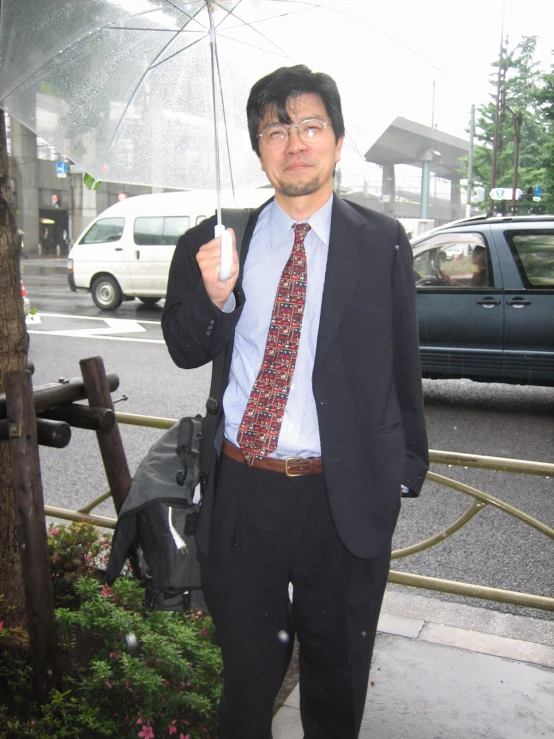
<point>389,623</point>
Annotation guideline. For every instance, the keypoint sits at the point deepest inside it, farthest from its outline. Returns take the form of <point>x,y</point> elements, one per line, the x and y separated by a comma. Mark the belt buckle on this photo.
<point>287,471</point>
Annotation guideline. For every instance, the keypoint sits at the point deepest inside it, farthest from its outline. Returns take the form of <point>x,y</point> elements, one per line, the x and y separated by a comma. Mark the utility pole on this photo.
<point>497,117</point>
<point>518,119</point>
<point>470,162</point>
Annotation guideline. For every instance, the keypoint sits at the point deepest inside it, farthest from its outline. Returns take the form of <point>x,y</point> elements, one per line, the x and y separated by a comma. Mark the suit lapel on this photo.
<point>347,255</point>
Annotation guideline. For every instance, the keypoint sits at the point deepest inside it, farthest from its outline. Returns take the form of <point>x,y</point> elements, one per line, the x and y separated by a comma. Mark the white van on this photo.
<point>126,251</point>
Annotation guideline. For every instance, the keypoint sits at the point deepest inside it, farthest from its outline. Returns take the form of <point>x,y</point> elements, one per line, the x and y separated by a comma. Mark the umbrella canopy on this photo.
<point>123,87</point>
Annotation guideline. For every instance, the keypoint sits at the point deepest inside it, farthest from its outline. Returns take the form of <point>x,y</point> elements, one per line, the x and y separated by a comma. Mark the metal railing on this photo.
<point>481,500</point>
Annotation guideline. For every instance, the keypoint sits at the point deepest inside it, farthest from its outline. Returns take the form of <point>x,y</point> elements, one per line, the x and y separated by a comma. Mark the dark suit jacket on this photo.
<point>366,378</point>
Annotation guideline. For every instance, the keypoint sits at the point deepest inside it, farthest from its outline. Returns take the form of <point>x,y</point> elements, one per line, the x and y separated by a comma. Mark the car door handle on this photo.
<point>137,254</point>
<point>118,248</point>
<point>518,302</point>
<point>488,302</point>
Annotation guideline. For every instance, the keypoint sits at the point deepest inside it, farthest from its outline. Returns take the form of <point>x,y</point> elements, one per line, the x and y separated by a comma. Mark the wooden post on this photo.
<point>31,529</point>
<point>111,445</point>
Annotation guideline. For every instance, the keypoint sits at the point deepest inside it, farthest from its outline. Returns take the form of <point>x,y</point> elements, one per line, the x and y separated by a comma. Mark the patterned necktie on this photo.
<point>260,426</point>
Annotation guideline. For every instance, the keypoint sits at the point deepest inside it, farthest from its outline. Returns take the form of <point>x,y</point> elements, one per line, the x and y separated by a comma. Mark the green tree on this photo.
<point>521,85</point>
<point>546,103</point>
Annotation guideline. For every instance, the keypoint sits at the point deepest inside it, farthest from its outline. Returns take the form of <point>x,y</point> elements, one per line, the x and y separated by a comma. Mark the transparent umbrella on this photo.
<point>154,91</point>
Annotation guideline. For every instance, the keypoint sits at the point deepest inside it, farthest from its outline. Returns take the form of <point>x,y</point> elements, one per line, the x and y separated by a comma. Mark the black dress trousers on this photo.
<point>269,530</point>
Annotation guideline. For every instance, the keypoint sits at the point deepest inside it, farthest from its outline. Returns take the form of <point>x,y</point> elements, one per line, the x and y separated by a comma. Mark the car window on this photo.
<point>199,219</point>
<point>454,262</point>
<point>174,226</point>
<point>104,230</point>
<point>148,231</point>
<point>534,256</point>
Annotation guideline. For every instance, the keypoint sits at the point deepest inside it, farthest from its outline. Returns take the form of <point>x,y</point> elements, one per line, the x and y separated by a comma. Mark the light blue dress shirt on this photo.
<point>269,250</point>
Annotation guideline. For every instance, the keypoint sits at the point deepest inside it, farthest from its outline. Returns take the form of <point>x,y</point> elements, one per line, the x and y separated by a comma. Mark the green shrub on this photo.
<point>127,672</point>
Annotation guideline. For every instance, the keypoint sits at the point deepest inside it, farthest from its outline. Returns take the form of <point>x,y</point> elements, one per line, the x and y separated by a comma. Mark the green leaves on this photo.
<point>522,92</point>
<point>123,664</point>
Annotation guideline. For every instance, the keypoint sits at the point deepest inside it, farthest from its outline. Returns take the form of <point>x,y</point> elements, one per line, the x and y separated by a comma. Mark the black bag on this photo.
<point>156,524</point>
<point>157,521</point>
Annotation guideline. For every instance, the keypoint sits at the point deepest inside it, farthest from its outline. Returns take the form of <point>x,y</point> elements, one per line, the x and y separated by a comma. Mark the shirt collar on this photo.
<point>320,221</point>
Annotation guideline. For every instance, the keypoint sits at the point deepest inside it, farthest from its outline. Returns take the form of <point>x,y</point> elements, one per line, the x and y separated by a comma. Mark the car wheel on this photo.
<point>149,302</point>
<point>106,293</point>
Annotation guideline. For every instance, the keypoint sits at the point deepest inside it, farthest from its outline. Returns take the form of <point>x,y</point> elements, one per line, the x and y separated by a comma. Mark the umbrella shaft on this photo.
<point>216,133</point>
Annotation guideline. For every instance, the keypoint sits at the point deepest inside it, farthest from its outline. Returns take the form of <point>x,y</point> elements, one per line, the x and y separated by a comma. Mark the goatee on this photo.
<point>298,189</point>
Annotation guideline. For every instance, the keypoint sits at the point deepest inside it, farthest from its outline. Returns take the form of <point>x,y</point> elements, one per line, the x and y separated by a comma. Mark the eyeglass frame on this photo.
<point>288,130</point>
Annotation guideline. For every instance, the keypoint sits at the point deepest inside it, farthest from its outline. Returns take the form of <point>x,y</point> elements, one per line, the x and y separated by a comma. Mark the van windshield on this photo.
<point>104,230</point>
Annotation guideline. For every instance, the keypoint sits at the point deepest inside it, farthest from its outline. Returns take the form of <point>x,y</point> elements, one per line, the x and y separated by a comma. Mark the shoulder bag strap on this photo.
<point>237,219</point>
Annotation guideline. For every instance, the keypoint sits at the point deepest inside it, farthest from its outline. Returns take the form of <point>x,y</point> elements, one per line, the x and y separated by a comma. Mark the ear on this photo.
<point>338,149</point>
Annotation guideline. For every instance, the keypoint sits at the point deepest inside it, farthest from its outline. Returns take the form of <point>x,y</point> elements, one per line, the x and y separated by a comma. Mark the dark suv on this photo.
<point>486,299</point>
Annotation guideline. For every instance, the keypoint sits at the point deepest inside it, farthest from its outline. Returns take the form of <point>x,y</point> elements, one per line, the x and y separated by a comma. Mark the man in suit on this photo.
<point>321,425</point>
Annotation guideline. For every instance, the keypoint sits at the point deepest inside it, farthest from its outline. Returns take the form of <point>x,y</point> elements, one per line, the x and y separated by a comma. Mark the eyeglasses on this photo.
<point>309,131</point>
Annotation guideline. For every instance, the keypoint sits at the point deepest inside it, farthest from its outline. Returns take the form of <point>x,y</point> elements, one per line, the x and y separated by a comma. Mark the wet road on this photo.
<point>490,419</point>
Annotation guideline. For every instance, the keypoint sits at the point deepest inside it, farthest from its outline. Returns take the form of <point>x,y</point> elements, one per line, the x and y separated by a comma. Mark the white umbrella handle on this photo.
<point>226,252</point>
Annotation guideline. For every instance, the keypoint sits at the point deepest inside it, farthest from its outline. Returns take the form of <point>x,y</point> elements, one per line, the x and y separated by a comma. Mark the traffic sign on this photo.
<point>504,193</point>
<point>61,169</point>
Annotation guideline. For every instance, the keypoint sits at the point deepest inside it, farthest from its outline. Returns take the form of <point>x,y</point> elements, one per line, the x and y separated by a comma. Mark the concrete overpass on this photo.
<point>408,142</point>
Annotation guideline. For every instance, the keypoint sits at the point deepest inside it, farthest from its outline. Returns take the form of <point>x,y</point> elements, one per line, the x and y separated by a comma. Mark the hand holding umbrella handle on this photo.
<point>226,252</point>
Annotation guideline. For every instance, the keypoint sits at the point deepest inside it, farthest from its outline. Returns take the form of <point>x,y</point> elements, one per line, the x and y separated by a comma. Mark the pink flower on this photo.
<point>171,729</point>
<point>182,736</point>
<point>53,531</point>
<point>203,630</point>
<point>56,557</point>
<point>1,625</point>
<point>108,684</point>
<point>106,590</point>
<point>146,733</point>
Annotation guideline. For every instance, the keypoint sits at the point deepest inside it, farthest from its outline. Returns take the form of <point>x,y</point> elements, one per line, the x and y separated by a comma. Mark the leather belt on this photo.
<point>291,467</point>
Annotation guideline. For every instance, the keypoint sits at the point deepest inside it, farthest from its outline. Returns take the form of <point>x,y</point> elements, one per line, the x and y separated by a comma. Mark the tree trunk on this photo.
<point>13,356</point>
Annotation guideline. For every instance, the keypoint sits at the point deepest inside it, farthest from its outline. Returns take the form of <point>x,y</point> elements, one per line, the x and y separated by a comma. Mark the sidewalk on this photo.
<point>442,670</point>
<point>43,265</point>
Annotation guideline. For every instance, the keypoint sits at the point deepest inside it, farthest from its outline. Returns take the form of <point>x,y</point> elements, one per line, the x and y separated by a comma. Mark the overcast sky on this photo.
<point>414,44</point>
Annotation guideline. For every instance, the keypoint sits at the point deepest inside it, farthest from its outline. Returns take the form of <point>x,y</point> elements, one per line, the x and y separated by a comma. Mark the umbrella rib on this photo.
<point>250,25</point>
<point>331,10</point>
<point>171,56</point>
<point>188,15</point>
<point>143,75</point>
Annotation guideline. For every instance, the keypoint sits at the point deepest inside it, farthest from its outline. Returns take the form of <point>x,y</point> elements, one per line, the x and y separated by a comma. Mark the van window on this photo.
<point>148,231</point>
<point>175,226</point>
<point>159,231</point>
<point>106,229</point>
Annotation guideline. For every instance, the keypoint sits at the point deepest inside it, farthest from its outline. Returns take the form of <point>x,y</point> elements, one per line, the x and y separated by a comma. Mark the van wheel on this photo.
<point>149,302</point>
<point>106,293</point>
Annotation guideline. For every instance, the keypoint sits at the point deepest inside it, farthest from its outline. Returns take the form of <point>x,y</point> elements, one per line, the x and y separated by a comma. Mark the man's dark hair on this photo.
<point>276,89</point>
